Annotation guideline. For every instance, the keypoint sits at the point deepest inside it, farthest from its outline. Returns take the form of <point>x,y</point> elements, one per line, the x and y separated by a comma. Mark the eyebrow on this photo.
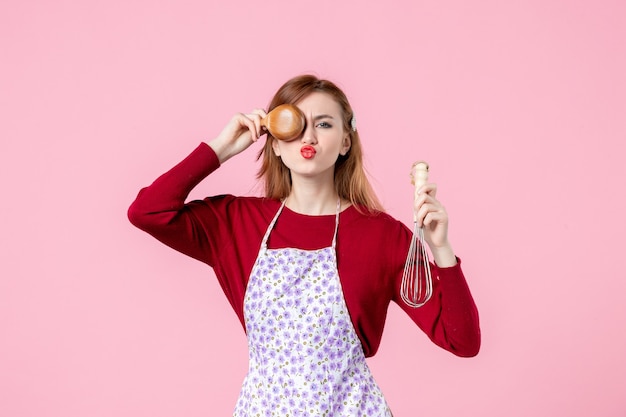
<point>323,116</point>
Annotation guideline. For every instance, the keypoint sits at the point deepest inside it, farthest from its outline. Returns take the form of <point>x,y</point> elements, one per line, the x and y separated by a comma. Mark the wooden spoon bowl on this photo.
<point>284,122</point>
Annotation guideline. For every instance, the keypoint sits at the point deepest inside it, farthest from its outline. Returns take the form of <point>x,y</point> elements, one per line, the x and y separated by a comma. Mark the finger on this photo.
<point>257,116</point>
<point>246,120</point>
<point>422,211</point>
<point>260,112</point>
<point>433,209</point>
<point>435,218</point>
<point>429,188</point>
<point>425,198</point>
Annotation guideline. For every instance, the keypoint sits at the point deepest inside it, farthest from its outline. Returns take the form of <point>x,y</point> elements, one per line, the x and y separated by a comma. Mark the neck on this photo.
<point>312,198</point>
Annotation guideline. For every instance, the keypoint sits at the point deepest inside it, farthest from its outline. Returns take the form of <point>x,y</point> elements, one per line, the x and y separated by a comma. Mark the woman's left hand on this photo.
<point>433,217</point>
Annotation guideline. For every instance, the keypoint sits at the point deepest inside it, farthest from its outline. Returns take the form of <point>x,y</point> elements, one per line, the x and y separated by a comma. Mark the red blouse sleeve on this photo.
<point>160,208</point>
<point>450,317</point>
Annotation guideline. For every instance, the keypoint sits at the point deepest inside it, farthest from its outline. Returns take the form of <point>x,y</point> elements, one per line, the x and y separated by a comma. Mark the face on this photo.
<point>315,152</point>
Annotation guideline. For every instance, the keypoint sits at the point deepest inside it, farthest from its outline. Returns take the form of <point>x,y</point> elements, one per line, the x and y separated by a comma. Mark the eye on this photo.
<point>324,125</point>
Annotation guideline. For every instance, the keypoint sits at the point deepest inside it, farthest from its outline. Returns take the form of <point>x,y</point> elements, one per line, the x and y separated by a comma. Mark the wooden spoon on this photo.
<point>284,122</point>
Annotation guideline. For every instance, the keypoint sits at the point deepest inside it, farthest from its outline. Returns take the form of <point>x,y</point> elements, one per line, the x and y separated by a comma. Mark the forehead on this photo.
<point>319,103</point>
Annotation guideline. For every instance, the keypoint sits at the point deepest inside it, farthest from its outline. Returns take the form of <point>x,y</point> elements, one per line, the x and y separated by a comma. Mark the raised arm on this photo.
<point>160,208</point>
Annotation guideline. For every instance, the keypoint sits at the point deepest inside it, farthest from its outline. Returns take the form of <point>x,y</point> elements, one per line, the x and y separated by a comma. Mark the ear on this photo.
<point>345,146</point>
<point>275,147</point>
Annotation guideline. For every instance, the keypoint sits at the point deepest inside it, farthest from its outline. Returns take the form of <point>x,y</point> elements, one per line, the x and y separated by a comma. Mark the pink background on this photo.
<point>518,106</point>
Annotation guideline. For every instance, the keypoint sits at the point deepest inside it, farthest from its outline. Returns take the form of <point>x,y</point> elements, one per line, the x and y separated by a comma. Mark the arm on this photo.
<point>160,208</point>
<point>450,317</point>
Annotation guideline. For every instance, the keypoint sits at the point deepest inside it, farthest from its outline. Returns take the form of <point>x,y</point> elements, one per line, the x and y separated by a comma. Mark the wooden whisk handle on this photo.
<point>419,177</point>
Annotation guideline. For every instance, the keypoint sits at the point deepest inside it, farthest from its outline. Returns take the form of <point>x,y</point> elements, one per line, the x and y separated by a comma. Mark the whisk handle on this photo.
<point>419,177</point>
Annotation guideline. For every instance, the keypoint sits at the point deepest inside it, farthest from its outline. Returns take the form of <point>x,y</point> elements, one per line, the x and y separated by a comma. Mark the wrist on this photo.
<point>220,150</point>
<point>444,256</point>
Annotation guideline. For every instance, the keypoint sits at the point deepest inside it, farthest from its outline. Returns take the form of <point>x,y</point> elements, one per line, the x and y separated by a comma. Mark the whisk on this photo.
<point>417,282</point>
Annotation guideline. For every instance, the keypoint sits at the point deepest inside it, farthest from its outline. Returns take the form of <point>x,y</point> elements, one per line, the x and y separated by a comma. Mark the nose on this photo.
<point>308,134</point>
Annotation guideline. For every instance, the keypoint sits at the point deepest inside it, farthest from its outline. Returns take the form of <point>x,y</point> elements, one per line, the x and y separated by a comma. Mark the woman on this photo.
<point>311,268</point>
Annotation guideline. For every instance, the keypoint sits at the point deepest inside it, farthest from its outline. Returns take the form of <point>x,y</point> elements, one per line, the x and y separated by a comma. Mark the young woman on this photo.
<point>310,268</point>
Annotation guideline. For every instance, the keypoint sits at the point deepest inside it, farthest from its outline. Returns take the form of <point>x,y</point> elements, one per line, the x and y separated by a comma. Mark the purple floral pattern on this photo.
<point>305,356</point>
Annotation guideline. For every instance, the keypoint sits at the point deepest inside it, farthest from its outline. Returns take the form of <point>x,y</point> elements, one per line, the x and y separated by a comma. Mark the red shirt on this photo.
<point>225,232</point>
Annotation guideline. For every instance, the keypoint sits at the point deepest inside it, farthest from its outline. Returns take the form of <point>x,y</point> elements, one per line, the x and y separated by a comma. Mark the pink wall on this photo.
<point>518,106</point>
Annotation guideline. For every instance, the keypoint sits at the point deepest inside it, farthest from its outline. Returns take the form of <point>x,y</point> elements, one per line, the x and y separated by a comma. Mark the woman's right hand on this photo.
<point>240,132</point>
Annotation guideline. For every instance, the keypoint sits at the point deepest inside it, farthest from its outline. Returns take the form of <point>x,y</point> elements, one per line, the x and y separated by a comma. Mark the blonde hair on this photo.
<point>351,182</point>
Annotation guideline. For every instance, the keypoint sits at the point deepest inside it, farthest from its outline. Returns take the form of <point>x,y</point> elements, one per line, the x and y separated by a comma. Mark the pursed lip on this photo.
<point>307,151</point>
